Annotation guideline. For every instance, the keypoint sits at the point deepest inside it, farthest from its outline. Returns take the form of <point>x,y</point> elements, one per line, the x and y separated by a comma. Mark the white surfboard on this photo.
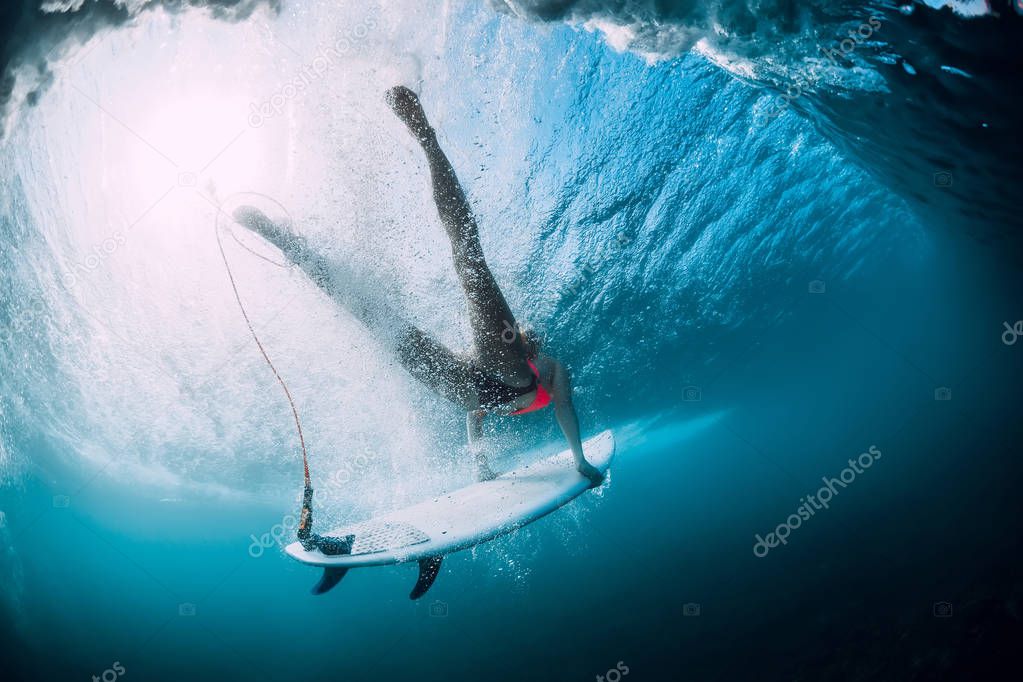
<point>427,531</point>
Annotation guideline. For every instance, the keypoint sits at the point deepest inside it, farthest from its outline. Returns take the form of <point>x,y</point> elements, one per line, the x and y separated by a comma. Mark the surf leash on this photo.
<point>305,525</point>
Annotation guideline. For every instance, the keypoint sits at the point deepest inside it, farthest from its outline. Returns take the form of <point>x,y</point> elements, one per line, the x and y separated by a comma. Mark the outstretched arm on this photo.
<point>474,427</point>
<point>489,314</point>
<point>564,411</point>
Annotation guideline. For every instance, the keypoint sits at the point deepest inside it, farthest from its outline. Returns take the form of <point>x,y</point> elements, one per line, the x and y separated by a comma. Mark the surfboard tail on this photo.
<point>331,546</point>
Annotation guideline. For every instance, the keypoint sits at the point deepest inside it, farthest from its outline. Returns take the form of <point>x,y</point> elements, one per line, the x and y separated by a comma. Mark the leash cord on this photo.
<point>306,514</point>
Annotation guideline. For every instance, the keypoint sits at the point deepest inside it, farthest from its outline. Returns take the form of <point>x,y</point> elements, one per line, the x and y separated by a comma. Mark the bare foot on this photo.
<point>256,220</point>
<point>250,217</point>
<point>277,234</point>
<point>405,105</point>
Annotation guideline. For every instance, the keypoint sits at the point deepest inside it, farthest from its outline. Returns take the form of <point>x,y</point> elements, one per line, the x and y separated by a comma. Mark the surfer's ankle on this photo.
<point>591,472</point>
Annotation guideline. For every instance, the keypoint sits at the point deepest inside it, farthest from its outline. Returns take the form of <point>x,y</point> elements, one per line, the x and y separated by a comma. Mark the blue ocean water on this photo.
<point>749,301</point>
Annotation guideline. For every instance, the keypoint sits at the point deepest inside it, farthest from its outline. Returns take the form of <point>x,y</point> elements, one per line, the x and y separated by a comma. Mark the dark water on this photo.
<point>850,597</point>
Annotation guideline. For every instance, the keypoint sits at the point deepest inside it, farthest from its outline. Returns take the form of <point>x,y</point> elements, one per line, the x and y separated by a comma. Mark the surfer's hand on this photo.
<point>591,472</point>
<point>484,472</point>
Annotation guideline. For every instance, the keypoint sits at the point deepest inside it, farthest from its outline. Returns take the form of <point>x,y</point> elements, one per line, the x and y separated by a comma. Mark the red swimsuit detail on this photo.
<point>543,398</point>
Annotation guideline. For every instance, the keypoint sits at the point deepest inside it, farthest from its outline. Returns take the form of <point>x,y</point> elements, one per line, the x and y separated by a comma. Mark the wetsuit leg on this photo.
<point>423,357</point>
<point>494,330</point>
<point>438,368</point>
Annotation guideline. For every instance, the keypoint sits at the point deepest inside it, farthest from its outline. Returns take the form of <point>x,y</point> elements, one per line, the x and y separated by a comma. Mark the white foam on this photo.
<point>964,8</point>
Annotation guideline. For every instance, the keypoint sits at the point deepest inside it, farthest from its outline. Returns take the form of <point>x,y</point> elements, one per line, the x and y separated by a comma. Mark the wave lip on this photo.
<point>923,95</point>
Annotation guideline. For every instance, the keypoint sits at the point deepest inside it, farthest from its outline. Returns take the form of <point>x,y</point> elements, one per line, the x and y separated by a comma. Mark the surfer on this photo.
<point>506,374</point>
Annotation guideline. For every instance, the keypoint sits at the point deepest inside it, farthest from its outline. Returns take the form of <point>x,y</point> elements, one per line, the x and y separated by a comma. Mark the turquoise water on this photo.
<point>749,306</point>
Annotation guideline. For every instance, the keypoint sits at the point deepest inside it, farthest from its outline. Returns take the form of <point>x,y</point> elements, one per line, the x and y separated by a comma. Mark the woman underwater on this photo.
<point>505,374</point>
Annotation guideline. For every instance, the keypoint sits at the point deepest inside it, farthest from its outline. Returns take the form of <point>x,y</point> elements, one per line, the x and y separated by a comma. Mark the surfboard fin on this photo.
<point>428,570</point>
<point>331,577</point>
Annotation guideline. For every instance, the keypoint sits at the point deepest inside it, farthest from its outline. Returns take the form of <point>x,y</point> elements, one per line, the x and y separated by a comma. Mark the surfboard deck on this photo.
<point>465,517</point>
